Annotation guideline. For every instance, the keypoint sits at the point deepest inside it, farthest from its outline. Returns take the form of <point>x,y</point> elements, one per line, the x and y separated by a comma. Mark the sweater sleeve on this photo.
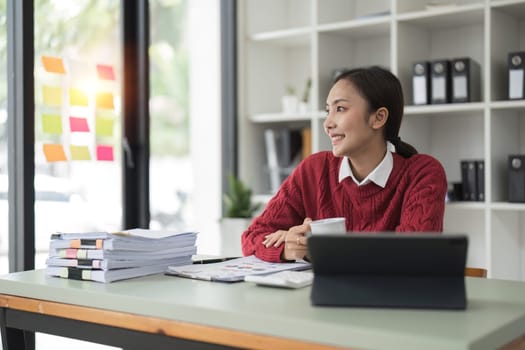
<point>424,203</point>
<point>284,210</point>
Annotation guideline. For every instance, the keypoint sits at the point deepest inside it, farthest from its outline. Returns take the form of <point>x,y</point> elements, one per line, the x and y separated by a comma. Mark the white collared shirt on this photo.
<point>379,175</point>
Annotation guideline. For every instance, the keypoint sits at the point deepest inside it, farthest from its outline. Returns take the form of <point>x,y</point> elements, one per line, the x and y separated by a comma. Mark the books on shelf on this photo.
<point>107,257</point>
<point>285,148</point>
<point>473,180</point>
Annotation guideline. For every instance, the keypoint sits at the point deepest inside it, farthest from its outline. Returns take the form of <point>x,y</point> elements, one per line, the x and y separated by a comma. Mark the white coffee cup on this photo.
<point>330,225</point>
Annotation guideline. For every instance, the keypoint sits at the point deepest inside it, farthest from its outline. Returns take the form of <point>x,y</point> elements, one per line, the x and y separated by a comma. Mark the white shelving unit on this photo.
<point>285,42</point>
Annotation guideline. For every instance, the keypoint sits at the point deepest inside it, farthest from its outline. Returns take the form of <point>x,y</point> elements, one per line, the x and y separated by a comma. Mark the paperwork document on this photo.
<point>234,270</point>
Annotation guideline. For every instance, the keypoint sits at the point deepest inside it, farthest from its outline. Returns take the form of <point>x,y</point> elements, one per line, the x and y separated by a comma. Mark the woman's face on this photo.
<point>348,122</point>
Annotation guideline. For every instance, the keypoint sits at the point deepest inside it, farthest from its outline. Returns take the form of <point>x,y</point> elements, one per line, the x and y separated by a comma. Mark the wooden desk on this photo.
<point>159,312</point>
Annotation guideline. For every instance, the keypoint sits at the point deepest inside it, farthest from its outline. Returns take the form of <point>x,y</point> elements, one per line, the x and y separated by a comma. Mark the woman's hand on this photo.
<point>274,239</point>
<point>294,239</point>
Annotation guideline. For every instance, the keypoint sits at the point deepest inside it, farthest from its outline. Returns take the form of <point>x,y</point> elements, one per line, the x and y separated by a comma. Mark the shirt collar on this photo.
<point>379,175</point>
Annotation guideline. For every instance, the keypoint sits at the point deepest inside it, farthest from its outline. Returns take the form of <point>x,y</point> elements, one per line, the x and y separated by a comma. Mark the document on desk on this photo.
<point>234,270</point>
<point>134,239</point>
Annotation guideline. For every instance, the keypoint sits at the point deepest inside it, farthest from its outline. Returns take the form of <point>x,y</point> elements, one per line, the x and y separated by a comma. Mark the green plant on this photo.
<point>238,200</point>
<point>290,90</point>
<point>306,93</point>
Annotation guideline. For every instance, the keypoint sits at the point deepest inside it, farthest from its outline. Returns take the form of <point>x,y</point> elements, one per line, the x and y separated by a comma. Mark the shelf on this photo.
<point>447,108</point>
<point>511,7</point>
<point>292,40</point>
<point>506,206</point>
<point>280,118</point>
<point>450,16</point>
<point>508,105</point>
<point>358,28</point>
<point>287,37</point>
<point>466,205</point>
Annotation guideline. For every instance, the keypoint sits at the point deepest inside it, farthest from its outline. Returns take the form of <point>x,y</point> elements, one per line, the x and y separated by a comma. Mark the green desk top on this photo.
<point>494,316</point>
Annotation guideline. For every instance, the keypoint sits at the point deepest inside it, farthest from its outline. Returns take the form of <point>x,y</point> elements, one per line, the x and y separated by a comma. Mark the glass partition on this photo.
<point>77,119</point>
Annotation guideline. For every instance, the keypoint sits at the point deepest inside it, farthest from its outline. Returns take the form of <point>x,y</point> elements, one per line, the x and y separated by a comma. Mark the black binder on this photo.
<point>516,75</point>
<point>469,180</point>
<point>480,180</point>
<point>516,177</point>
<point>389,270</point>
<point>440,81</point>
<point>421,83</point>
<point>466,85</point>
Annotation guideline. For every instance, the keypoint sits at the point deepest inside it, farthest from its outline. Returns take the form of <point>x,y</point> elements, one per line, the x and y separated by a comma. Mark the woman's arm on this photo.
<point>282,212</point>
<point>424,203</point>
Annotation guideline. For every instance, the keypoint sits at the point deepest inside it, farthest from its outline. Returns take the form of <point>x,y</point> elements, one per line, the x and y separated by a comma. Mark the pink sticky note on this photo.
<point>105,72</point>
<point>78,124</point>
<point>104,152</point>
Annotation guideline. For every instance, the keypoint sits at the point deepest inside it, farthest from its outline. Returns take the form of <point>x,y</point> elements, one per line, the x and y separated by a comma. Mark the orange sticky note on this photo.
<point>78,124</point>
<point>54,152</point>
<point>77,97</point>
<point>79,152</point>
<point>105,72</point>
<point>53,64</point>
<point>104,152</point>
<point>105,100</point>
<point>52,96</point>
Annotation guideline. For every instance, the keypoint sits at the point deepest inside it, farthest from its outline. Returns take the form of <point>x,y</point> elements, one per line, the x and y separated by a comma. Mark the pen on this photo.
<point>215,260</point>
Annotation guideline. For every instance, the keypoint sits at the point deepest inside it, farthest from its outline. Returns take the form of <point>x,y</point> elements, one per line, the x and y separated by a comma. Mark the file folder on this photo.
<point>516,75</point>
<point>421,83</point>
<point>480,180</point>
<point>516,177</point>
<point>465,80</point>
<point>440,81</point>
<point>469,180</point>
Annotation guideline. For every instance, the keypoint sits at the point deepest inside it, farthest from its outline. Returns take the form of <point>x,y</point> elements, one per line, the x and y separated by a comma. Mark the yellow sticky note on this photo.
<point>54,152</point>
<point>52,96</point>
<point>104,126</point>
<point>105,100</point>
<point>52,123</point>
<point>78,97</point>
<point>53,64</point>
<point>79,152</point>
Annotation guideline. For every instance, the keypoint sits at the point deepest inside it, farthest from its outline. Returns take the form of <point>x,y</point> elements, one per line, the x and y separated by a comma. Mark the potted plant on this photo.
<point>303,104</point>
<point>290,101</point>
<point>238,214</point>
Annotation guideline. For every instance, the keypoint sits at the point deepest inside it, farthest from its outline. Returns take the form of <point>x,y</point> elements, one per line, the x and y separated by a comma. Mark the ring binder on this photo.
<point>440,87</point>
<point>465,80</point>
<point>421,83</point>
<point>516,62</point>
<point>516,177</point>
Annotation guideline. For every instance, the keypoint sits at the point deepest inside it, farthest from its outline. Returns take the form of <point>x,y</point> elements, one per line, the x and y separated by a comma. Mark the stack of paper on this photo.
<point>108,257</point>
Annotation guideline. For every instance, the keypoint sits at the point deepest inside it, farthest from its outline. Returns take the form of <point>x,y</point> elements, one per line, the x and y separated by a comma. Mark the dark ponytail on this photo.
<point>381,88</point>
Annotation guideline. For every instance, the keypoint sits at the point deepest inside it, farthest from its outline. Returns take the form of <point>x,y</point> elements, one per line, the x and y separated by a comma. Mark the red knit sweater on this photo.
<point>412,200</point>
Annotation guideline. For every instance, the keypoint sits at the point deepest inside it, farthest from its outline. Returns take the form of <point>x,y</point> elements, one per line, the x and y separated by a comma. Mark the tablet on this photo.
<point>410,270</point>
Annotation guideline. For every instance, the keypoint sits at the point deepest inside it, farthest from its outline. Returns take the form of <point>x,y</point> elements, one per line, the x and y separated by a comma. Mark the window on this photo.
<point>78,156</point>
<point>4,227</point>
<point>77,121</point>
<point>185,118</point>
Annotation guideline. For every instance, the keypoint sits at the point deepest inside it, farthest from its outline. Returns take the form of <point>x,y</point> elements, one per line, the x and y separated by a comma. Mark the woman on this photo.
<point>372,178</point>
